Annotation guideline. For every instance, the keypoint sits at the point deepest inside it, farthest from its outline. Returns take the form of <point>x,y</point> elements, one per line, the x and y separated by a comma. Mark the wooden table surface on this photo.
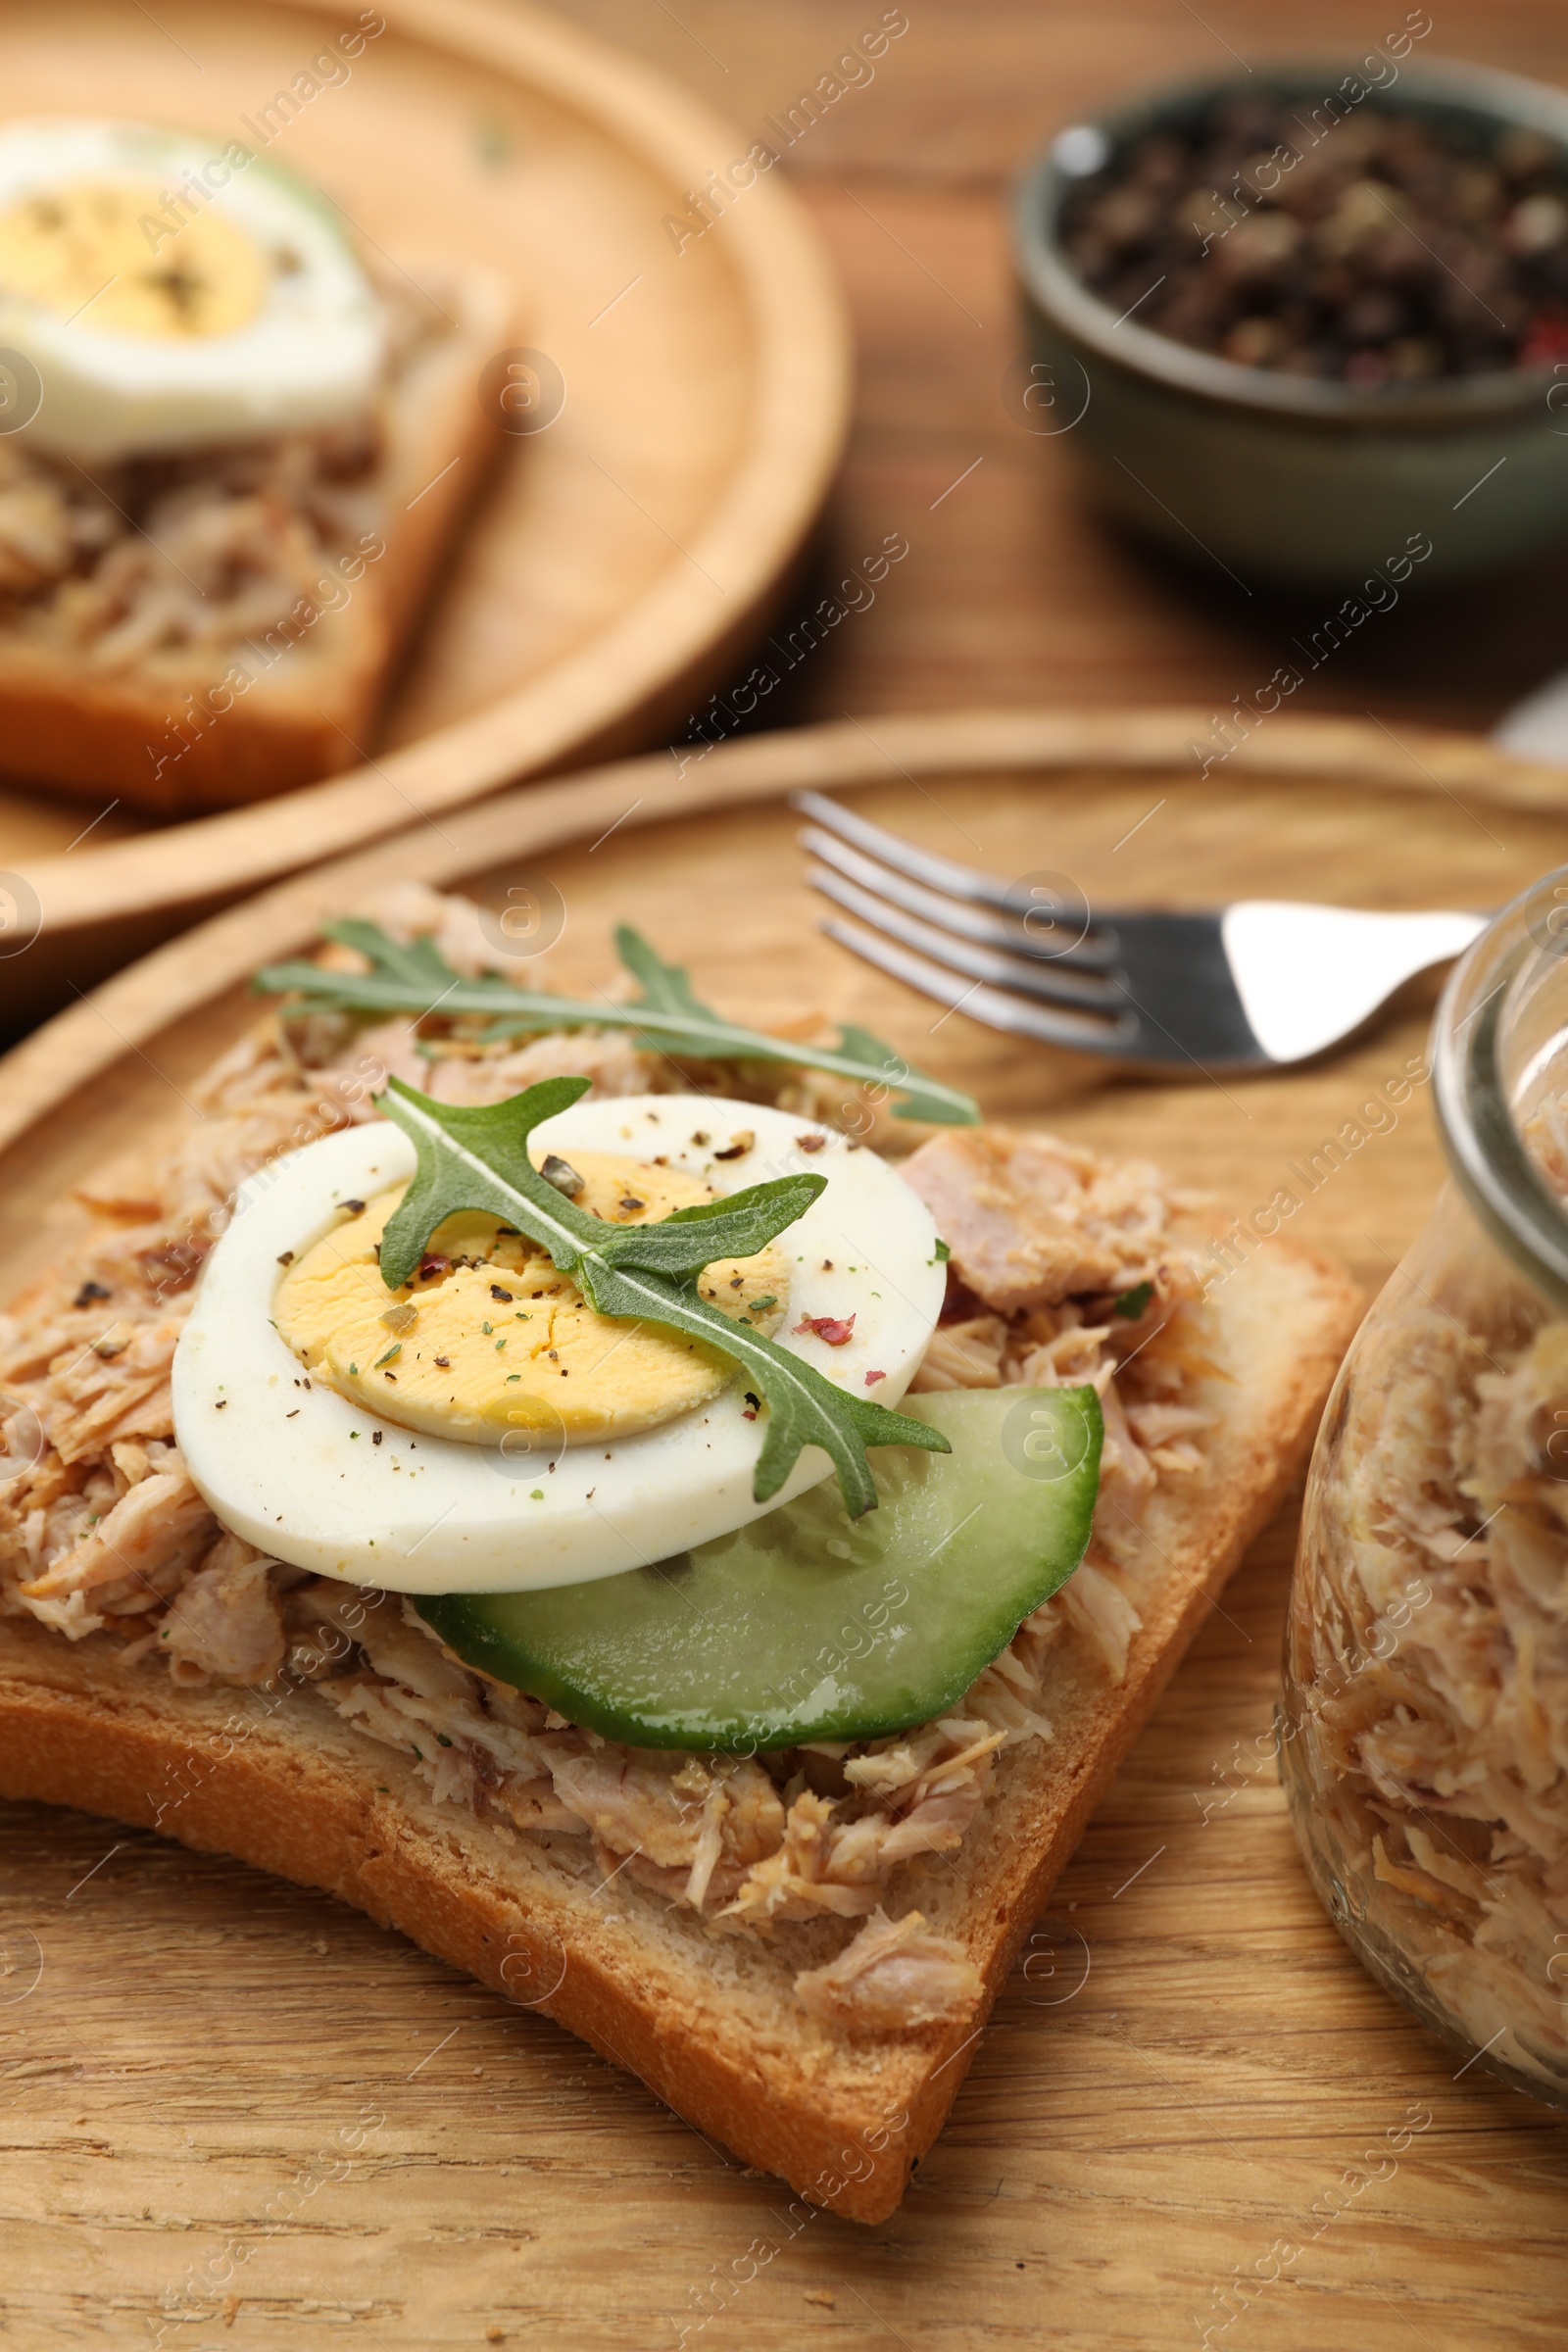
<point>1189,2061</point>
<point>1014,592</point>
<point>1183,2075</point>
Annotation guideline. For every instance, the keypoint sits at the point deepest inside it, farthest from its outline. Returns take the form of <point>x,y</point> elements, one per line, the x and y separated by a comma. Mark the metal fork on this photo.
<point>1258,985</point>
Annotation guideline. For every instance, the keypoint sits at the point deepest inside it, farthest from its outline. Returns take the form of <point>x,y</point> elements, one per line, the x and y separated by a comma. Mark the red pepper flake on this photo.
<point>872,1378</point>
<point>833,1330</point>
<point>434,1264</point>
<point>810,1142</point>
<point>1547,340</point>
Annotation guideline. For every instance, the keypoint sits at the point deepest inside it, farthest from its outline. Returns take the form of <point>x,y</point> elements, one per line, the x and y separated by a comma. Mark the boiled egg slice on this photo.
<point>164,292</point>
<point>454,1476</point>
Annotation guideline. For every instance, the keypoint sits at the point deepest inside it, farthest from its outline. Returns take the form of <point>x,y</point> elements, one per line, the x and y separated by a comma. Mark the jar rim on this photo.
<point>1487,1153</point>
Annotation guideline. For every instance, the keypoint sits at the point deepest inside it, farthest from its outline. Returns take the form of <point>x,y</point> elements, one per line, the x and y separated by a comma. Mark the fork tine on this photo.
<point>1076,1032</point>
<point>921,865</point>
<point>987,929</point>
<point>1080,991</point>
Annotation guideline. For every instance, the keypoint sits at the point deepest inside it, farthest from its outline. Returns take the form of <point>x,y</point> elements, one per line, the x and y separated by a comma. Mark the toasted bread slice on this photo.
<point>215,726</point>
<point>708,2019</point>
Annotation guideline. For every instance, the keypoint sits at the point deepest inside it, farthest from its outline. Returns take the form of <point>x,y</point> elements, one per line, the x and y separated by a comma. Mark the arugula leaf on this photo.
<point>421,963</point>
<point>923,1098</point>
<point>1132,1303</point>
<point>667,1018</point>
<point>665,987</point>
<point>478,1160</point>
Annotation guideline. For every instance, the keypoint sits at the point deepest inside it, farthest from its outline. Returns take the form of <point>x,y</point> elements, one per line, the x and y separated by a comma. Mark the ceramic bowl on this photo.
<point>1282,477</point>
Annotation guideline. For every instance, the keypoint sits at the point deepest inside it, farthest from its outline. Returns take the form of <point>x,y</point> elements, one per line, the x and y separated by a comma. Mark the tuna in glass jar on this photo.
<point>1425,1734</point>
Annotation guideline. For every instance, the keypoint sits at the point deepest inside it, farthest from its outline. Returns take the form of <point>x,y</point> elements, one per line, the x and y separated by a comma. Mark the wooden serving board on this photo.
<point>616,560</point>
<point>1188,2081</point>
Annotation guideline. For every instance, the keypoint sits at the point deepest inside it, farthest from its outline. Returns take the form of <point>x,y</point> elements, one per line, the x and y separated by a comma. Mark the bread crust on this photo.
<point>64,723</point>
<point>708,2020</point>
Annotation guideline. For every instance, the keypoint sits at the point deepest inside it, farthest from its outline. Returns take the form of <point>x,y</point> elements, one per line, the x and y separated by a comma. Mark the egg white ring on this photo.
<point>312,357</point>
<point>278,1465</point>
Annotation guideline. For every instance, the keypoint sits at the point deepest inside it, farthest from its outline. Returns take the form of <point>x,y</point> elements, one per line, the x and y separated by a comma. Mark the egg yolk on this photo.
<point>488,1339</point>
<point>81,250</point>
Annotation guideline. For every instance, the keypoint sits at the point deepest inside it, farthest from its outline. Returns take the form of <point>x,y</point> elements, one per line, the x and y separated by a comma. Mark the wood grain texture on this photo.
<point>616,561</point>
<point>1016,590</point>
<point>1186,2062</point>
<point>187,971</point>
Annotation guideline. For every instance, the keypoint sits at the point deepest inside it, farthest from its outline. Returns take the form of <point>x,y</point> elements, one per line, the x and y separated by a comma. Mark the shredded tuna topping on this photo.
<point>894,1974</point>
<point>104,1537</point>
<point>1030,1221</point>
<point>156,559</point>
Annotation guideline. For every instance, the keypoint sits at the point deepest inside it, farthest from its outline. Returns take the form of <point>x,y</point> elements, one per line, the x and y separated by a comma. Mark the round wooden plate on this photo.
<point>704,860</point>
<point>617,557</point>
<point>1218,1994</point>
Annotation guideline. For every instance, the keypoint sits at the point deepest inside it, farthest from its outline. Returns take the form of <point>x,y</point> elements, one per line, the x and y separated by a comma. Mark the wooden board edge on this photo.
<point>217,955</point>
<point>186,864</point>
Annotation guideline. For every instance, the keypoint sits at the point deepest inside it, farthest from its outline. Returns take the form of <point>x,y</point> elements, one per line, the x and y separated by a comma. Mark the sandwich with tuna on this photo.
<point>235,442</point>
<point>572,1482</point>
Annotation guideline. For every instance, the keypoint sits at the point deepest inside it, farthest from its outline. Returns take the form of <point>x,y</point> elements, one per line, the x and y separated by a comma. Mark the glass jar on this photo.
<point>1424,1740</point>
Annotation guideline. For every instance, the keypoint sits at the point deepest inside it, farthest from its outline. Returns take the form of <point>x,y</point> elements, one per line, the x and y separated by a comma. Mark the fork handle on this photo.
<point>1308,975</point>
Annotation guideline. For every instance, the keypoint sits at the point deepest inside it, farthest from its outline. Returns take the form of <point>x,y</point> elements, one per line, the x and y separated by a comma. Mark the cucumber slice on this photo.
<point>807,1625</point>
